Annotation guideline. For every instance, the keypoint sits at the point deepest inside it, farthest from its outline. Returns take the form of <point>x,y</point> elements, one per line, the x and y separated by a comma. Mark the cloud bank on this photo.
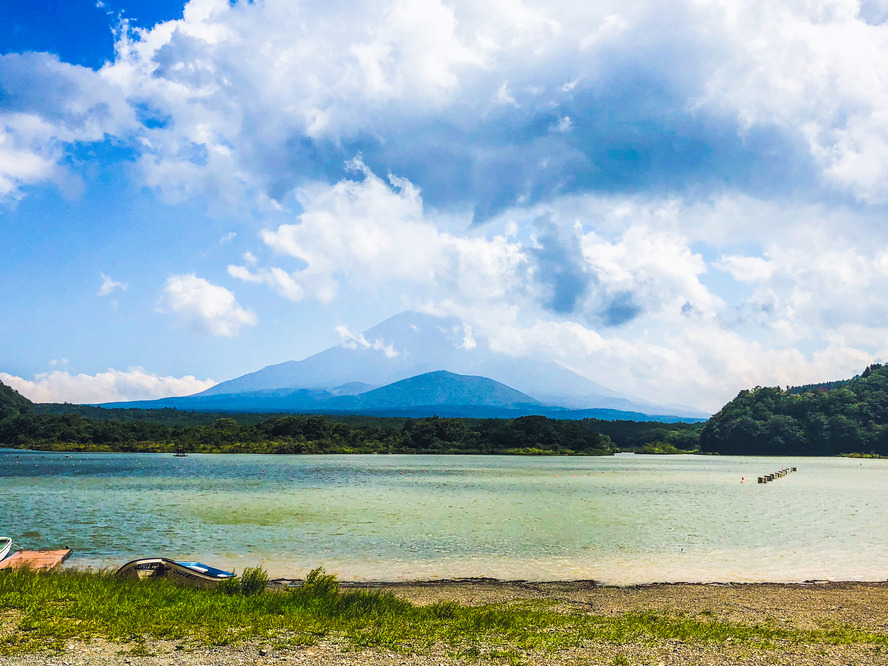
<point>486,107</point>
<point>685,199</point>
<point>109,386</point>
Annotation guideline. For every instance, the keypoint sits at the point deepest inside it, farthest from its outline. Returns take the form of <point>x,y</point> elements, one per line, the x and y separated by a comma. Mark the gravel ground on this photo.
<point>805,606</point>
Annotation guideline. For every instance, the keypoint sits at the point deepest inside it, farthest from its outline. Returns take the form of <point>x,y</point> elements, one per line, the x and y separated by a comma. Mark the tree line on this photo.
<point>305,434</point>
<point>85,428</point>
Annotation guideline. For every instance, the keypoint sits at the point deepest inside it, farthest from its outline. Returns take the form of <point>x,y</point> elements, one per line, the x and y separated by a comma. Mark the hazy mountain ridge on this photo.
<point>414,344</point>
<point>426,390</point>
<point>431,394</point>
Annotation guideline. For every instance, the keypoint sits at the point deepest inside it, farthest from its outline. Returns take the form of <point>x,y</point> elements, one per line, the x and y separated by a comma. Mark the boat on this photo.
<point>5,547</point>
<point>179,454</point>
<point>192,574</point>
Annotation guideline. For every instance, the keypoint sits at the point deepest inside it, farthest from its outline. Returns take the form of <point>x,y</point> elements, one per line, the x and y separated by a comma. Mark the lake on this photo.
<point>618,519</point>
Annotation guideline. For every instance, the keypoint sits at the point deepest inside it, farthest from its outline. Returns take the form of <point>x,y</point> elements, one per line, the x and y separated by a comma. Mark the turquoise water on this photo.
<point>621,519</point>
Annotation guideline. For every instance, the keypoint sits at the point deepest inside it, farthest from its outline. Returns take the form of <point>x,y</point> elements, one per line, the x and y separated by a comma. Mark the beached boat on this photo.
<point>193,574</point>
<point>5,547</point>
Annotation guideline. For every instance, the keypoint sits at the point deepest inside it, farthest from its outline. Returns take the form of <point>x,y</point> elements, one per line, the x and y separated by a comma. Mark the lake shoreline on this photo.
<point>482,590</point>
<point>807,612</point>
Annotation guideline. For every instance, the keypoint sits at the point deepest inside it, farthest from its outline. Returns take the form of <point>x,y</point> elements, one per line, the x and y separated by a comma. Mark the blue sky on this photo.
<point>676,200</point>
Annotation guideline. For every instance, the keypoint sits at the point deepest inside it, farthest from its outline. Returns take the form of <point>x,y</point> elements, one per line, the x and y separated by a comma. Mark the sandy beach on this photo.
<point>806,606</point>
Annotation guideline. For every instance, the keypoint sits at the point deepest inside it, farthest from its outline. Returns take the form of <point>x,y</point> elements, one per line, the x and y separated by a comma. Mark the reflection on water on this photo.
<point>621,519</point>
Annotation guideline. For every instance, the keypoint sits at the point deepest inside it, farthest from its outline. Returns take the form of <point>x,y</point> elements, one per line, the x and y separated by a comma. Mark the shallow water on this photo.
<point>621,519</point>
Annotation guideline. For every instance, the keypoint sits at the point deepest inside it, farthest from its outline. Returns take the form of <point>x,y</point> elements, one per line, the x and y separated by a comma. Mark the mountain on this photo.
<point>437,393</point>
<point>412,344</point>
<point>419,364</point>
<point>444,388</point>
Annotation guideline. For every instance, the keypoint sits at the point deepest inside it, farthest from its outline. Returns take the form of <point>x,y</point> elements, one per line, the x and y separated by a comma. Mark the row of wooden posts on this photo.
<point>777,475</point>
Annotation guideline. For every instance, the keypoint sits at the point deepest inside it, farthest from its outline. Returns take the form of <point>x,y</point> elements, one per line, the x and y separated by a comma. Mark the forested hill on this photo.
<point>825,420</point>
<point>13,403</point>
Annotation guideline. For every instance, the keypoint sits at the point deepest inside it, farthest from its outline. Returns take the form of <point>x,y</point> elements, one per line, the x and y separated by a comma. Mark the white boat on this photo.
<point>193,574</point>
<point>5,547</point>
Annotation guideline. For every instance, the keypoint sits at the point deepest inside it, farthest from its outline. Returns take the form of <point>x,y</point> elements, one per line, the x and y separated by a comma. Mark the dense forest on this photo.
<point>84,428</point>
<point>819,420</point>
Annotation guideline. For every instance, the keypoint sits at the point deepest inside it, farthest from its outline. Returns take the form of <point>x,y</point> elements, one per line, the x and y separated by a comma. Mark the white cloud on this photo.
<point>657,267</point>
<point>220,100</point>
<point>280,281</point>
<point>504,97</point>
<point>469,341</point>
<point>109,386</point>
<point>351,341</point>
<point>50,106</point>
<point>371,232</point>
<point>109,286</point>
<point>815,66</point>
<point>751,270</point>
<point>563,126</point>
<point>204,306</point>
<point>570,85</point>
<point>20,166</point>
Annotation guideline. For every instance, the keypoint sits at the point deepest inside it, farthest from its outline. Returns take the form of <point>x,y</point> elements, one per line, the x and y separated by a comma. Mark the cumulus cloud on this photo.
<point>815,67</point>
<point>203,306</point>
<point>109,386</point>
<point>370,232</point>
<point>253,99</point>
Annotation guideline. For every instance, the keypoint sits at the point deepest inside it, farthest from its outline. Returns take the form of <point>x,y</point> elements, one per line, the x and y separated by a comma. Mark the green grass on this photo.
<point>42,611</point>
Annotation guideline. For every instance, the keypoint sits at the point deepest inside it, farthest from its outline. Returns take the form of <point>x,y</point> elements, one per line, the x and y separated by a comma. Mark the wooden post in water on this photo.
<point>777,475</point>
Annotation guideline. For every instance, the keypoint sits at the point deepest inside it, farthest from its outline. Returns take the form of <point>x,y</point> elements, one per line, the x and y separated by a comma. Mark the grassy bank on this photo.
<point>44,611</point>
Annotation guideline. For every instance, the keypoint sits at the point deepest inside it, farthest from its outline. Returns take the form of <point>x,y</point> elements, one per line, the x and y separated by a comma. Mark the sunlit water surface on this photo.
<point>621,519</point>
